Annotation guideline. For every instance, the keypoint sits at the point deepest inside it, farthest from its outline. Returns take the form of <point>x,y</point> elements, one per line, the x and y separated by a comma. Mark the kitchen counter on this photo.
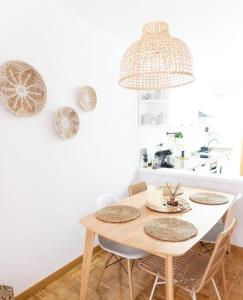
<point>195,161</point>
<point>145,174</point>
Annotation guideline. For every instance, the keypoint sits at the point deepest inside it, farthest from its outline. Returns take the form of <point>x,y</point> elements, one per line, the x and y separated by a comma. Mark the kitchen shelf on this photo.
<point>153,108</point>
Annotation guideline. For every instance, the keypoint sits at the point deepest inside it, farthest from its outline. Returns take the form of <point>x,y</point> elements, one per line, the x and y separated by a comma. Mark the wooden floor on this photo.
<point>115,284</point>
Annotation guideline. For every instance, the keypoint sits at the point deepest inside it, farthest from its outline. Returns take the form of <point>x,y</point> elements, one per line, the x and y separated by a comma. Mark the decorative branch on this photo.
<point>173,193</point>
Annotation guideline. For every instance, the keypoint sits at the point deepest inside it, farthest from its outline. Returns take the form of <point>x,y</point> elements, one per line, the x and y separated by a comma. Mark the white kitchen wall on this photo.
<point>181,116</point>
<point>48,183</point>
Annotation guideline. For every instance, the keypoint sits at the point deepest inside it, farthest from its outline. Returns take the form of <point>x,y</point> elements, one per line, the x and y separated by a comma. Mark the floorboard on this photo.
<point>114,285</point>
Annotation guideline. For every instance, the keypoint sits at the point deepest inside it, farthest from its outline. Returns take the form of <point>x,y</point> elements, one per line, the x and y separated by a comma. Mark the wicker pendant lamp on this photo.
<point>157,61</point>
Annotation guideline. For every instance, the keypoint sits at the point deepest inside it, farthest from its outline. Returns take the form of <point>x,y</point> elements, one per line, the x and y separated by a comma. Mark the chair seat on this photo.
<point>212,235</point>
<point>188,269</point>
<point>119,249</point>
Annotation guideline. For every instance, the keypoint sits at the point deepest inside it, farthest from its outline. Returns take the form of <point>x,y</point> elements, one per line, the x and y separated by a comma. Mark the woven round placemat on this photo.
<point>118,213</point>
<point>170,229</point>
<point>22,89</point>
<point>209,198</point>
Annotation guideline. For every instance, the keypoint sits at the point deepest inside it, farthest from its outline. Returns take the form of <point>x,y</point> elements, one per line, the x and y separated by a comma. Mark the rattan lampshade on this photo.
<point>156,61</point>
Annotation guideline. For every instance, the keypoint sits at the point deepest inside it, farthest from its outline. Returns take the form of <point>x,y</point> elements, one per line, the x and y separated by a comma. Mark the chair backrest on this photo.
<point>230,215</point>
<point>137,188</point>
<point>219,252</point>
<point>105,200</point>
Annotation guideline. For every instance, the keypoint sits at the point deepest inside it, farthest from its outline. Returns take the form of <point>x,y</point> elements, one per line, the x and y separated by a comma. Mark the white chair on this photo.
<point>115,249</point>
<point>211,236</point>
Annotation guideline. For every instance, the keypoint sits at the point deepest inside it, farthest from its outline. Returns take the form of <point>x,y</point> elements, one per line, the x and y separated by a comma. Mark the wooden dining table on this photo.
<point>132,233</point>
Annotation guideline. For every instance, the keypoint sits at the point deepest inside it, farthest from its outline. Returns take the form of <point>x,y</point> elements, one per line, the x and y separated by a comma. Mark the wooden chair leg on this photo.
<point>215,288</point>
<point>108,258</point>
<point>224,279</point>
<point>154,287</point>
<point>129,270</point>
<point>230,254</point>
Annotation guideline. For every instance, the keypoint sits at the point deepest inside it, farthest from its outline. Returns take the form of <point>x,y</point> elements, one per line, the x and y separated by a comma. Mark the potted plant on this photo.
<point>178,135</point>
<point>178,142</point>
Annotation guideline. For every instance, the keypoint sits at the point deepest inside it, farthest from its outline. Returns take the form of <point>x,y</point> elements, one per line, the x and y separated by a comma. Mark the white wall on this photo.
<point>48,183</point>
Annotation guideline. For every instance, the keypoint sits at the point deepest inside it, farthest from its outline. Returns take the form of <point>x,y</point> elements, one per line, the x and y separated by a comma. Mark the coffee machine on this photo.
<point>164,158</point>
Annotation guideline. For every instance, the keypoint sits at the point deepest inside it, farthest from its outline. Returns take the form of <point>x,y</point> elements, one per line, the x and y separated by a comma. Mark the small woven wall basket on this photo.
<point>22,89</point>
<point>87,98</point>
<point>66,122</point>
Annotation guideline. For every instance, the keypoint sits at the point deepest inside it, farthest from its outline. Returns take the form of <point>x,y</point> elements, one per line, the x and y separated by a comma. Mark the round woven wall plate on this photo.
<point>209,198</point>
<point>170,229</point>
<point>165,190</point>
<point>87,98</point>
<point>66,122</point>
<point>6,292</point>
<point>22,89</point>
<point>118,213</point>
<point>183,206</point>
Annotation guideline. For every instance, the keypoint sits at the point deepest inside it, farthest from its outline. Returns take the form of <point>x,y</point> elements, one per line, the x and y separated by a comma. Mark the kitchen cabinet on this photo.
<point>218,165</point>
<point>202,169</point>
<point>209,166</point>
<point>226,166</point>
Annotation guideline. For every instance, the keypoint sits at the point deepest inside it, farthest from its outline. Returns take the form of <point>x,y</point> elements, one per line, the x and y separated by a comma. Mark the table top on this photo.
<point>132,233</point>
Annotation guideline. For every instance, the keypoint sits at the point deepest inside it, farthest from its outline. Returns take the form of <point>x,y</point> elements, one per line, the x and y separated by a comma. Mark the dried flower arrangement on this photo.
<point>173,191</point>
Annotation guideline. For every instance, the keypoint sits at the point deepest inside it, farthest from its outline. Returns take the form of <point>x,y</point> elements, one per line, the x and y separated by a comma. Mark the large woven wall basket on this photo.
<point>22,89</point>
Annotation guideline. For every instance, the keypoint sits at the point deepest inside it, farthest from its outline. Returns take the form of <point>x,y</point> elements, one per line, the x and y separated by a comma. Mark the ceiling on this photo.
<point>213,30</point>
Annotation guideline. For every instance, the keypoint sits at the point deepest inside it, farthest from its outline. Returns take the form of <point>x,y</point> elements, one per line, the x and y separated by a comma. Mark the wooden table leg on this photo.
<point>169,274</point>
<point>87,256</point>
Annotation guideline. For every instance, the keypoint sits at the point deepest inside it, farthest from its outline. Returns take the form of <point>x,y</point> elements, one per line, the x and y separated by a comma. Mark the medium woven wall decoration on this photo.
<point>66,122</point>
<point>6,292</point>
<point>157,61</point>
<point>22,89</point>
<point>87,98</point>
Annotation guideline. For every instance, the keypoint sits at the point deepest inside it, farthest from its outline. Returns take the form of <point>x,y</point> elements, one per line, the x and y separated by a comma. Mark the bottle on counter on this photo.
<point>183,156</point>
<point>145,157</point>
